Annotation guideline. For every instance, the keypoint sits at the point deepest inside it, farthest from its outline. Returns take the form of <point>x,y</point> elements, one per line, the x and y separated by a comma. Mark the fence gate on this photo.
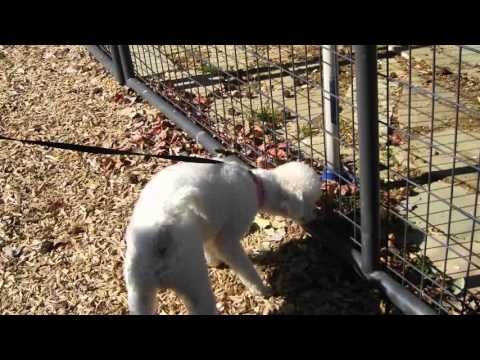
<point>393,131</point>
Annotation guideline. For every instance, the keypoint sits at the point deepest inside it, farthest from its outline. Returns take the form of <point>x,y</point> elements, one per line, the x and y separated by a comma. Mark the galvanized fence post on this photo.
<point>116,65</point>
<point>126,61</point>
<point>367,103</point>
<point>109,59</point>
<point>330,110</point>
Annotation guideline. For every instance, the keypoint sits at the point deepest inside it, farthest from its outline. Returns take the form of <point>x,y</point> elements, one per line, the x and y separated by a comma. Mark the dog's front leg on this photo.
<point>232,253</point>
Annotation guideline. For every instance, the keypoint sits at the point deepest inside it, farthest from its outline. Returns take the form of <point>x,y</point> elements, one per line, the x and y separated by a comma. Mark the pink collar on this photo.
<point>260,189</point>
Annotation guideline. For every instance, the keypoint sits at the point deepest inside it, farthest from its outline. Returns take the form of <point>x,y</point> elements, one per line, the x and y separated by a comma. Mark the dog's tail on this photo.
<point>150,253</point>
<point>149,261</point>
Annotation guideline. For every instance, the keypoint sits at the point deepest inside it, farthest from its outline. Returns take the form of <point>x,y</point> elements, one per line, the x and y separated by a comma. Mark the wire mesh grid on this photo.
<point>107,49</point>
<point>429,110</point>
<point>263,102</point>
<point>267,104</point>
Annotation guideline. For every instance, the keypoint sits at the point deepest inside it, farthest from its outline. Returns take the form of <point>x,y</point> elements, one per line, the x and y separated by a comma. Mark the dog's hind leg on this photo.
<point>141,299</point>
<point>140,288</point>
<point>192,284</point>
<point>232,253</point>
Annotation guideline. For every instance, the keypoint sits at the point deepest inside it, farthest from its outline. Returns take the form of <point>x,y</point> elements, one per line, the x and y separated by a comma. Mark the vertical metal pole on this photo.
<point>117,65</point>
<point>367,104</point>
<point>330,109</point>
<point>109,60</point>
<point>126,61</point>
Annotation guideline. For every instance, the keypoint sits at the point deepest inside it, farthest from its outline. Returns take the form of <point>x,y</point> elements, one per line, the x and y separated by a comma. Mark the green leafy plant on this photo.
<point>307,131</point>
<point>208,69</point>
<point>268,117</point>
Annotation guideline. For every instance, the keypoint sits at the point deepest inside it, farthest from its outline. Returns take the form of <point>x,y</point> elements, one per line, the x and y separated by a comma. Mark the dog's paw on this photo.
<point>217,264</point>
<point>213,262</point>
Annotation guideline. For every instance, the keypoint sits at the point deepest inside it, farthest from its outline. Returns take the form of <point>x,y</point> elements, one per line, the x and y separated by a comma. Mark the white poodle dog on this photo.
<point>190,215</point>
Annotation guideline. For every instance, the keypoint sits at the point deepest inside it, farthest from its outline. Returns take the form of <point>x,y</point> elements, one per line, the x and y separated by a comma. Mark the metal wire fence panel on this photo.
<point>264,102</point>
<point>429,124</point>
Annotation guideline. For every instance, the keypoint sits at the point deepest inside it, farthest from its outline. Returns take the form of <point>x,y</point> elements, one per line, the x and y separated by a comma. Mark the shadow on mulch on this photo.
<point>315,282</point>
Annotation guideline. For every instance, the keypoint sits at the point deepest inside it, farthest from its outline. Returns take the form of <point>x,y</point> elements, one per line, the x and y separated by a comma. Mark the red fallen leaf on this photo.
<point>269,140</point>
<point>257,131</point>
<point>330,187</point>
<point>344,190</point>
<point>118,97</point>
<point>240,140</point>
<point>166,124</point>
<point>238,127</point>
<point>277,153</point>
<point>201,100</point>
<point>137,125</point>
<point>176,138</point>
<point>170,93</point>
<point>396,139</point>
<point>176,149</point>
<point>160,146</point>
<point>57,204</point>
<point>163,135</point>
<point>281,154</point>
<point>392,240</point>
<point>168,83</point>
<point>160,117</point>
<point>198,147</point>
<point>263,163</point>
<point>272,152</point>
<point>353,188</point>
<point>107,163</point>
<point>156,130</point>
<point>137,139</point>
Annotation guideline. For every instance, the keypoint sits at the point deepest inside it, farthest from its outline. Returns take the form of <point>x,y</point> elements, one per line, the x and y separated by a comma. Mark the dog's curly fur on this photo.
<point>190,215</point>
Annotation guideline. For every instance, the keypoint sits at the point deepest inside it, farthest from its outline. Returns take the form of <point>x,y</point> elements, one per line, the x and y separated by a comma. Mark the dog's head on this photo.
<point>300,191</point>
